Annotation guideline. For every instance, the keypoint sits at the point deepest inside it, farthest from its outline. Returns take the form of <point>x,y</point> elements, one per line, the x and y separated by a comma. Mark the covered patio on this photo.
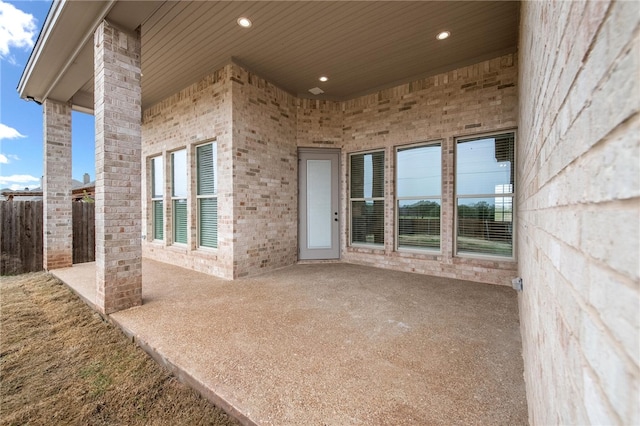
<point>331,343</point>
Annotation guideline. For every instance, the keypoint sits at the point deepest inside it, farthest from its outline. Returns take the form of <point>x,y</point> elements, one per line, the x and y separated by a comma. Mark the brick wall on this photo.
<point>578,210</point>
<point>57,213</point>
<point>117,106</point>
<point>196,114</point>
<point>319,124</point>
<point>265,176</point>
<point>259,127</point>
<point>472,100</point>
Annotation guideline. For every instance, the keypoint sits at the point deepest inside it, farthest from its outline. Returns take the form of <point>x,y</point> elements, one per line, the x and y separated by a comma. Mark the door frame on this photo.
<point>302,192</point>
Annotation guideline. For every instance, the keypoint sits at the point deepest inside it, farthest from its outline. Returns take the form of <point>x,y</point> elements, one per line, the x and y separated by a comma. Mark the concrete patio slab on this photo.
<point>334,344</point>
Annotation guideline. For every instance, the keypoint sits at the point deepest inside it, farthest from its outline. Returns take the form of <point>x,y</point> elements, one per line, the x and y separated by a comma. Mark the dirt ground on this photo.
<point>61,363</point>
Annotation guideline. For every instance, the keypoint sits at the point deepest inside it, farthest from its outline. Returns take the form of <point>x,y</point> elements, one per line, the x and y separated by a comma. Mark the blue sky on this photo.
<point>21,143</point>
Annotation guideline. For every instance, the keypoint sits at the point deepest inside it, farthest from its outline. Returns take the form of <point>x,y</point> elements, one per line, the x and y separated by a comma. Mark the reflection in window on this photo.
<point>157,196</point>
<point>484,195</point>
<point>179,195</point>
<point>367,198</point>
<point>418,192</point>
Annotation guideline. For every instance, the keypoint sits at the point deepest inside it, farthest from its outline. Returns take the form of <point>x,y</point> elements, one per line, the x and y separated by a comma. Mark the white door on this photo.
<point>319,222</point>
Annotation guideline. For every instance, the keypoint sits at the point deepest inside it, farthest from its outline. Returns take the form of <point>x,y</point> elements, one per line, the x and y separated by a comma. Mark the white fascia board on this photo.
<point>45,32</point>
<point>54,19</point>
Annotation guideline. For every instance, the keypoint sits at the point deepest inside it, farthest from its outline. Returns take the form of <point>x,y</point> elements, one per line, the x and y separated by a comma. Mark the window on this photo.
<point>179,195</point>
<point>207,195</point>
<point>367,198</point>
<point>157,197</point>
<point>485,190</point>
<point>418,196</point>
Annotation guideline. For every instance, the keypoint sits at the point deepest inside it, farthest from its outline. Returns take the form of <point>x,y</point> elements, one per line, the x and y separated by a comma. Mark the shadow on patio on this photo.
<point>332,344</point>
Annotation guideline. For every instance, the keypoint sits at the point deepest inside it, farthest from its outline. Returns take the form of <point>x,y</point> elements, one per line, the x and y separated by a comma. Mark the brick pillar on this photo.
<point>57,223</point>
<point>117,111</point>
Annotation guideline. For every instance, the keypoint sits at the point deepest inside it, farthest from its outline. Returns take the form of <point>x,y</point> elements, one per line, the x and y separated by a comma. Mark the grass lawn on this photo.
<point>60,363</point>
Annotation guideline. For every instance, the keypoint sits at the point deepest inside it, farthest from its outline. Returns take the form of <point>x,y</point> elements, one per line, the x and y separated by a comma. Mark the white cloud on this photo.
<point>18,179</point>
<point>6,159</point>
<point>17,29</point>
<point>7,132</point>
<point>18,187</point>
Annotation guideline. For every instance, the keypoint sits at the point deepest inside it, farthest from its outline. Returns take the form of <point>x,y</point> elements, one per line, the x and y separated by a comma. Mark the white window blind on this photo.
<point>366,198</point>
<point>485,190</point>
<point>418,196</point>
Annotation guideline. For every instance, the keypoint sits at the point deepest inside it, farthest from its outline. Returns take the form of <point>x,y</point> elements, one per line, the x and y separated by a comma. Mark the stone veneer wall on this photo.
<point>578,210</point>
<point>197,114</point>
<point>472,100</point>
<point>265,180</point>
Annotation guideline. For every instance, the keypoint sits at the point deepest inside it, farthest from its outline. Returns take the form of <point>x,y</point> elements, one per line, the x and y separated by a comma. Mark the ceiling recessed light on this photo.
<point>244,22</point>
<point>324,78</point>
<point>443,35</point>
<point>316,91</point>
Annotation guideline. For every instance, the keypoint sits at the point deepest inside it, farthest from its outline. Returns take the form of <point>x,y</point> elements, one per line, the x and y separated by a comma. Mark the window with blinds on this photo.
<point>418,196</point>
<point>157,197</point>
<point>485,190</point>
<point>179,195</point>
<point>366,198</point>
<point>207,195</point>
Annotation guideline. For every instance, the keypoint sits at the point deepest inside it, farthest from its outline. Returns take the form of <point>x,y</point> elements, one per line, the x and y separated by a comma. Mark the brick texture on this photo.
<point>57,220</point>
<point>472,100</point>
<point>197,114</point>
<point>265,176</point>
<point>578,204</point>
<point>118,153</point>
<point>259,127</point>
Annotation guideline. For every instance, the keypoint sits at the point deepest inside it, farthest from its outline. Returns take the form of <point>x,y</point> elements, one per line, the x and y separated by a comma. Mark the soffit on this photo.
<point>360,46</point>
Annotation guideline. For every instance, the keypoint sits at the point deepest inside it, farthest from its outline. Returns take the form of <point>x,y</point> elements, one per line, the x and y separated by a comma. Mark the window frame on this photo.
<point>177,198</point>
<point>214,144</point>
<point>397,198</point>
<point>155,198</point>
<point>512,194</point>
<point>372,246</point>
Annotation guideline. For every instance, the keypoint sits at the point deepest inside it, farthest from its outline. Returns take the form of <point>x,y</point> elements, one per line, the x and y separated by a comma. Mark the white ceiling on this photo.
<point>360,46</point>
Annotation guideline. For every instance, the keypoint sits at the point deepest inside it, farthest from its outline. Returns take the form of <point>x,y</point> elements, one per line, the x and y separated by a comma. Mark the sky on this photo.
<point>21,142</point>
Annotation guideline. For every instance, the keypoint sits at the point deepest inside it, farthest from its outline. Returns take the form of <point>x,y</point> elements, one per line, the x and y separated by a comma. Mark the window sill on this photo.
<point>179,247</point>
<point>207,250</point>
<point>487,257</point>
<point>365,249</point>
<point>420,254</point>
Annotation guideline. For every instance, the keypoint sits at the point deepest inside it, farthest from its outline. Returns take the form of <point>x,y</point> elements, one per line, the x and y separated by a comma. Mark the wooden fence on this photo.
<point>84,232</point>
<point>21,235</point>
<point>21,238</point>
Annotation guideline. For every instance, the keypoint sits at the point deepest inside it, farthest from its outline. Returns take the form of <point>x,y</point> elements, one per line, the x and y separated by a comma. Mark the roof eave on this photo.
<point>45,32</point>
<point>63,13</point>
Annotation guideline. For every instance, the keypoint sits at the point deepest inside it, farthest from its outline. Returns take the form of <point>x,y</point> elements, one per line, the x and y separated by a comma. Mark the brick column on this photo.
<point>57,223</point>
<point>117,111</point>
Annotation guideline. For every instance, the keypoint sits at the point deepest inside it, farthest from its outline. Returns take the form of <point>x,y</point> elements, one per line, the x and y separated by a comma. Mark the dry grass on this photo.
<point>60,363</point>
